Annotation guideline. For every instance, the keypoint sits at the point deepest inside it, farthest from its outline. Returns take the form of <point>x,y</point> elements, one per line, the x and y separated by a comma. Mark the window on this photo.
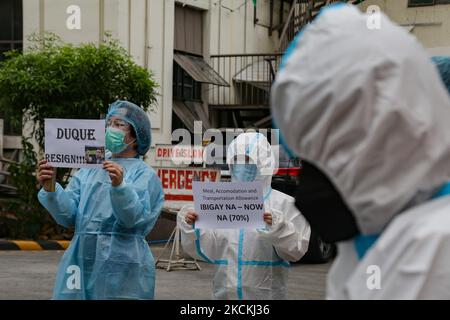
<point>10,26</point>
<point>421,3</point>
<point>184,87</point>
<point>190,70</point>
<point>10,38</point>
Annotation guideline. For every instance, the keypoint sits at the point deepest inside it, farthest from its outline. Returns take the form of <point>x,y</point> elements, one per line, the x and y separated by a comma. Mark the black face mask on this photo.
<point>323,207</point>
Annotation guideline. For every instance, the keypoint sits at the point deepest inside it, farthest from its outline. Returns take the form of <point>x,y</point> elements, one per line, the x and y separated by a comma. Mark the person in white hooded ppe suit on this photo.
<point>371,121</point>
<point>251,264</point>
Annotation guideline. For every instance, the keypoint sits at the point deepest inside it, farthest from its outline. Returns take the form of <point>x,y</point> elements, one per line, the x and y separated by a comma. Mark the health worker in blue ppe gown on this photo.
<point>112,209</point>
<point>251,264</point>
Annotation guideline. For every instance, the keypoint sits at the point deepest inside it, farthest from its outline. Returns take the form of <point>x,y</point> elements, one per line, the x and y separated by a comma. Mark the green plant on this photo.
<point>56,80</point>
<point>52,79</point>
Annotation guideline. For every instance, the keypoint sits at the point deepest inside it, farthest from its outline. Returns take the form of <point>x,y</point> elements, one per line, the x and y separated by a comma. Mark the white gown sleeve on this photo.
<point>198,243</point>
<point>289,232</point>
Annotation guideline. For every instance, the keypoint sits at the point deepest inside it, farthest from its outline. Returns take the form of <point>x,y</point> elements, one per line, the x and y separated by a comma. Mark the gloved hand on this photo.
<point>268,218</point>
<point>274,221</point>
<point>191,217</point>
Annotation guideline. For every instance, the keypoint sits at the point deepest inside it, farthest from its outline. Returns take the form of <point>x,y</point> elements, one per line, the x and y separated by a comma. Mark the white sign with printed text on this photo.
<point>73,143</point>
<point>229,205</point>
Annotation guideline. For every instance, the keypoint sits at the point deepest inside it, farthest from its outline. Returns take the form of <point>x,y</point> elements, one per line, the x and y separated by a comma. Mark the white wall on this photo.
<point>235,32</point>
<point>432,22</point>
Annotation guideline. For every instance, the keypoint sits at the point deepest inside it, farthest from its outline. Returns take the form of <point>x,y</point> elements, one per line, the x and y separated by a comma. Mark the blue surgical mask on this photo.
<point>244,172</point>
<point>115,140</point>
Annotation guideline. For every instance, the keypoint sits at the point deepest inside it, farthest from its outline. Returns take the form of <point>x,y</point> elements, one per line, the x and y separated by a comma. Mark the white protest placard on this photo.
<point>71,143</point>
<point>228,205</point>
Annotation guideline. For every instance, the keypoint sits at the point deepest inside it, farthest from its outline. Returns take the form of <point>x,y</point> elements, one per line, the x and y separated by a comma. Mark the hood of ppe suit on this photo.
<point>258,149</point>
<point>373,116</point>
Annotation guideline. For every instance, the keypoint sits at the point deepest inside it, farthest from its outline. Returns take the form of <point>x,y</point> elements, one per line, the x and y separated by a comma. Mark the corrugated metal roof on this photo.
<point>188,112</point>
<point>199,70</point>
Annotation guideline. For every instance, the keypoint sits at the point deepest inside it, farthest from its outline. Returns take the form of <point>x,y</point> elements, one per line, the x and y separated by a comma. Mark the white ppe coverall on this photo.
<point>251,264</point>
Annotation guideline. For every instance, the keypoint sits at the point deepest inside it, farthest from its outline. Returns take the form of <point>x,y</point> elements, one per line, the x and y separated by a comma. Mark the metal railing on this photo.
<point>250,77</point>
<point>303,12</point>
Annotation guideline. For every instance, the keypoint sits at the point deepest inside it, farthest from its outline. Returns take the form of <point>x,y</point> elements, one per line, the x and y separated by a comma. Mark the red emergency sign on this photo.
<point>177,182</point>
